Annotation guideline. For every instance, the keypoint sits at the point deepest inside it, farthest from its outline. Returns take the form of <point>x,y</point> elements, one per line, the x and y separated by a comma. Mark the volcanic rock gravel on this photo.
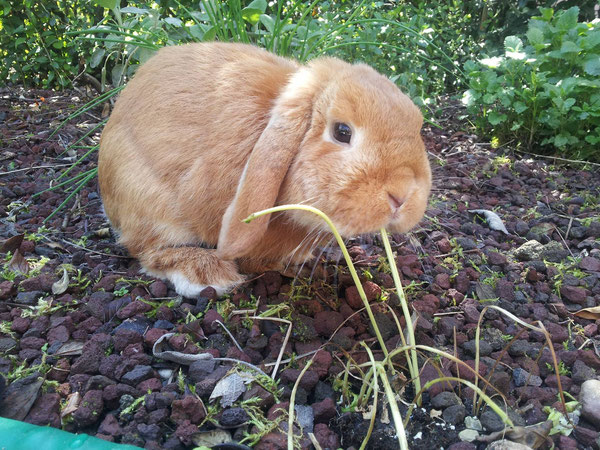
<point>82,359</point>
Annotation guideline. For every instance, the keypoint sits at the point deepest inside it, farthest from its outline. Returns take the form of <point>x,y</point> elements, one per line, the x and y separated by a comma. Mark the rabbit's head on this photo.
<point>344,139</point>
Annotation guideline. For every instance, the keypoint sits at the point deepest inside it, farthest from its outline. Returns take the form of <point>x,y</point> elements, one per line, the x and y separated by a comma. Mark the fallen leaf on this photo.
<point>230,388</point>
<point>211,438</point>
<point>20,397</point>
<point>493,220</point>
<point>102,232</point>
<point>435,414</point>
<point>70,348</point>
<point>18,263</point>
<point>61,285</point>
<point>12,243</point>
<point>533,436</point>
<point>73,401</point>
<point>589,313</point>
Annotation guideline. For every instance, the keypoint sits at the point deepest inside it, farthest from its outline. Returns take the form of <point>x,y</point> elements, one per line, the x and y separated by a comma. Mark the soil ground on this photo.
<point>77,353</point>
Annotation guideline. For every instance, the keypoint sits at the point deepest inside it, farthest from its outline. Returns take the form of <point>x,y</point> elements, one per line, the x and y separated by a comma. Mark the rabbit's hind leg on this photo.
<point>191,269</point>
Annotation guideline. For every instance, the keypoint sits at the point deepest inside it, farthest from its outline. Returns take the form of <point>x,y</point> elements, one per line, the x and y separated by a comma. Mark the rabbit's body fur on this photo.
<point>205,134</point>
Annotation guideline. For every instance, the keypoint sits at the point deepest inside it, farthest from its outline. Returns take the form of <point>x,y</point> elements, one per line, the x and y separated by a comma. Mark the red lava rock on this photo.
<point>209,324</point>
<point>276,410</point>
<point>321,363</point>
<point>124,337</point>
<point>257,391</point>
<point>189,409</point>
<point>32,342</point>
<point>158,289</point>
<point>558,333</point>
<point>60,334</point>
<point>60,370</point>
<point>496,258</point>
<point>7,290</point>
<point>178,342</point>
<point>574,294</point>
<point>152,384</point>
<point>152,336</point>
<point>110,426</point>
<point>184,432</point>
<point>372,292</point>
<point>565,381</point>
<point>105,437</point>
<point>324,411</point>
<point>89,361</point>
<point>462,282</point>
<point>133,309</point>
<point>590,264</point>
<point>589,358</point>
<point>544,395</point>
<point>326,322</point>
<point>272,441</point>
<point>586,437</point>
<point>444,245</point>
<point>107,283</point>
<point>20,324</point>
<point>443,280</point>
<point>566,443</point>
<point>90,408</point>
<point>429,304</point>
<point>45,411</point>
<point>466,374</point>
<point>308,381</point>
<point>90,325</point>
<point>326,437</point>
<point>164,313</point>
<point>235,353</point>
<point>590,330</point>
<point>42,282</point>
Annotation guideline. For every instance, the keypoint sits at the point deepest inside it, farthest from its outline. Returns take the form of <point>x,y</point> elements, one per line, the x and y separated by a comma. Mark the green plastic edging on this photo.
<point>15,435</point>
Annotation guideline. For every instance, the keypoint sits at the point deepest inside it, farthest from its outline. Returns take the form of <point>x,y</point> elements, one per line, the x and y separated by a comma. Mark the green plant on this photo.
<point>544,95</point>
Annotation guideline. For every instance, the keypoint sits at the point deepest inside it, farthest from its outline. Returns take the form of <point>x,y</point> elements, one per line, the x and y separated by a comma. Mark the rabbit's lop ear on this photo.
<point>265,170</point>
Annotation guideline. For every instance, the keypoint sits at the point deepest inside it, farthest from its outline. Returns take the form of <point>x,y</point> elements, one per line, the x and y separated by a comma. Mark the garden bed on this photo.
<point>76,350</point>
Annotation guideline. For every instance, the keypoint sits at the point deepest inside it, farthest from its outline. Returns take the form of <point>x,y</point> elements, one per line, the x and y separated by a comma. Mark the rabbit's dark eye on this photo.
<point>342,132</point>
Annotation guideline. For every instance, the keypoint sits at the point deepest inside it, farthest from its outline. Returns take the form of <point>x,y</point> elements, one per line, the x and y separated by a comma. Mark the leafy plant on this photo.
<point>544,95</point>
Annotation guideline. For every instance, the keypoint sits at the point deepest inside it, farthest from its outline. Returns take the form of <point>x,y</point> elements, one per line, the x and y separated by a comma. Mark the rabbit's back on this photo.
<point>181,131</point>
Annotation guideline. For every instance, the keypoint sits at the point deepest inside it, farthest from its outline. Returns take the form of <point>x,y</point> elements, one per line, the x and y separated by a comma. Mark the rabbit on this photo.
<point>206,134</point>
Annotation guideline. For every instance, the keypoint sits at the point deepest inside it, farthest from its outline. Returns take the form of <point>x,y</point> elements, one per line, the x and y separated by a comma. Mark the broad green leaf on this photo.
<point>252,12</point>
<point>568,103</point>
<point>144,54</point>
<point>547,13</point>
<point>592,39</point>
<point>173,21</point>
<point>489,99</point>
<point>592,66</point>
<point>514,48</point>
<point>519,107</point>
<point>97,56</point>
<point>513,44</point>
<point>569,47</point>
<point>134,10</point>
<point>258,4</point>
<point>568,19</point>
<point>251,15</point>
<point>535,36</point>
<point>110,4</point>
<point>268,22</point>
<point>496,118</point>
<point>561,140</point>
<point>210,34</point>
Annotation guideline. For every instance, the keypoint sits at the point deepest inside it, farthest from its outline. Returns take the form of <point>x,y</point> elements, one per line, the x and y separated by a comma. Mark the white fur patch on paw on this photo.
<point>183,286</point>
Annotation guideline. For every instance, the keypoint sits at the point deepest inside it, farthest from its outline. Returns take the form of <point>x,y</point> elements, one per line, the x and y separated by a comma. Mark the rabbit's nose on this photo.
<point>395,202</point>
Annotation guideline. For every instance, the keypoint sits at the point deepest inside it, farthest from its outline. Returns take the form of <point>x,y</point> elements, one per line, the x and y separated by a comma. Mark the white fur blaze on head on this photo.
<point>183,286</point>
